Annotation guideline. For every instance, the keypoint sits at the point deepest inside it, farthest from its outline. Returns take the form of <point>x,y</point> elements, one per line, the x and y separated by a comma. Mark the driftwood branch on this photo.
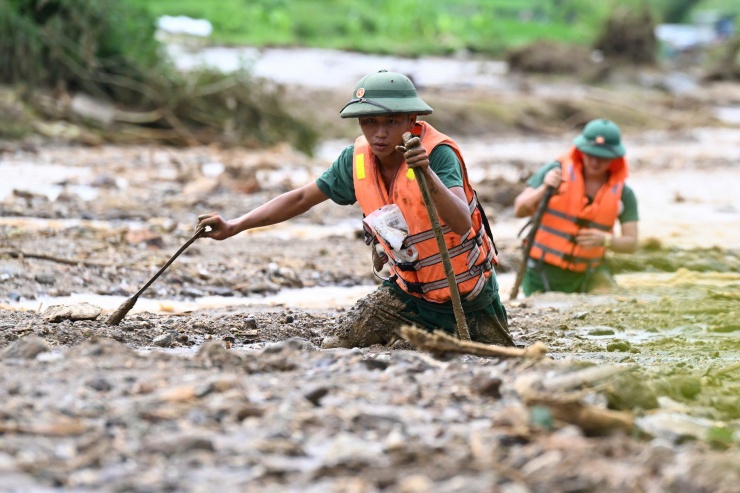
<point>439,342</point>
<point>591,419</point>
<point>578,378</point>
<point>570,408</point>
<point>41,256</point>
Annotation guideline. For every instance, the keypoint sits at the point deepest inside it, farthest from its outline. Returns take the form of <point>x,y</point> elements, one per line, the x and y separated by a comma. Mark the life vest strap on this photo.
<point>423,288</point>
<point>569,258</point>
<point>578,221</point>
<point>465,246</point>
<point>569,237</point>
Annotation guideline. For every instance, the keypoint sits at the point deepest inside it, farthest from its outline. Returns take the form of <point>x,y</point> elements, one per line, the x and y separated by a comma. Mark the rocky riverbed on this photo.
<point>216,380</point>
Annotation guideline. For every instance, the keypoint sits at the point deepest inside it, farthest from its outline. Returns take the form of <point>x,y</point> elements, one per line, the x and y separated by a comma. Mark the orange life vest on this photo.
<point>569,211</point>
<point>472,255</point>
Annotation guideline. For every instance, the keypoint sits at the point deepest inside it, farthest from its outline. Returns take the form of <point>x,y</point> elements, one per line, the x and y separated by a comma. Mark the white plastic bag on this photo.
<point>388,223</point>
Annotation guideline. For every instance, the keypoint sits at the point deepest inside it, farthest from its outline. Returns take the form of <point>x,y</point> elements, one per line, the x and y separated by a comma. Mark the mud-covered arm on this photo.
<point>279,209</point>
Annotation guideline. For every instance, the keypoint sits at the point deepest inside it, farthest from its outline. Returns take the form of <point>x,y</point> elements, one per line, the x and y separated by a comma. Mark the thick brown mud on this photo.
<point>242,397</point>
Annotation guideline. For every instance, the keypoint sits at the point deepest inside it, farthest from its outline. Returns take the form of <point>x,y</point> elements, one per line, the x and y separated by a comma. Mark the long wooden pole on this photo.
<point>536,219</point>
<point>462,327</point>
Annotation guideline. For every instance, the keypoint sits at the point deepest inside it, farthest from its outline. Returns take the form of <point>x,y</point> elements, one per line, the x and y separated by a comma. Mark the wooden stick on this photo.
<point>440,342</point>
<point>529,241</point>
<point>69,261</point>
<point>591,419</point>
<point>588,375</point>
<point>462,327</point>
<point>116,317</point>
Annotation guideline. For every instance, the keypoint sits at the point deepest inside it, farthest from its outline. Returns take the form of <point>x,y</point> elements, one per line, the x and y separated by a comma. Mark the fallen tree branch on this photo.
<point>578,378</point>
<point>439,342</point>
<point>591,419</point>
<point>41,256</point>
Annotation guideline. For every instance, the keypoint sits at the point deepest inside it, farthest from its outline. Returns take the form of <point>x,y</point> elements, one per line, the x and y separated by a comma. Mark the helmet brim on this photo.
<point>407,105</point>
<point>604,151</point>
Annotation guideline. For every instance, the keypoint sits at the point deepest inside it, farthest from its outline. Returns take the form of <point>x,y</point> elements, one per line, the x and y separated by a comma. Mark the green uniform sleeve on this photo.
<point>538,178</point>
<point>446,166</point>
<point>629,200</point>
<point>337,182</point>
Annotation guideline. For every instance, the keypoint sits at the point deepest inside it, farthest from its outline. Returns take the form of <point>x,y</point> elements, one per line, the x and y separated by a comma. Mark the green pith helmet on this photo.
<point>384,93</point>
<point>600,138</point>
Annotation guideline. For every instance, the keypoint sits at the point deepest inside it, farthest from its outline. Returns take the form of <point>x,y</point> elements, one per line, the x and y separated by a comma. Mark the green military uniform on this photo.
<point>337,183</point>
<point>566,280</point>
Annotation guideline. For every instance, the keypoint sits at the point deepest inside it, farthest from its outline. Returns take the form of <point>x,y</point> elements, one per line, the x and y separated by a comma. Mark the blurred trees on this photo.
<point>107,50</point>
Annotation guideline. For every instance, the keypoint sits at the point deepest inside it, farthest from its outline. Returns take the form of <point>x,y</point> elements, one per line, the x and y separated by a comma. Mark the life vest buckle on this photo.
<point>406,266</point>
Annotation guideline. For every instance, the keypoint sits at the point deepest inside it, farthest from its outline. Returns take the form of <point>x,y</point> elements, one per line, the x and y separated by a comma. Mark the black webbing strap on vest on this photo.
<point>484,219</point>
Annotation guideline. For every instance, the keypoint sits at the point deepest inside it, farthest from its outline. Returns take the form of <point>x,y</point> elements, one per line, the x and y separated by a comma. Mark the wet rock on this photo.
<point>47,279</point>
<point>164,340</point>
<point>192,293</point>
<point>80,311</point>
<point>100,384</point>
<point>214,354</point>
<point>314,396</point>
<point>628,391</point>
<point>221,291</point>
<point>118,335</point>
<point>293,344</point>
<point>487,386</point>
<point>375,364</point>
<point>621,346</point>
<point>680,386</point>
<point>726,328</point>
<point>177,445</point>
<point>25,348</point>
<point>601,331</point>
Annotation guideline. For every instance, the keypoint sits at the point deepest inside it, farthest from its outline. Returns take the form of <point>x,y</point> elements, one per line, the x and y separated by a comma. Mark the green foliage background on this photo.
<point>414,27</point>
<point>107,48</point>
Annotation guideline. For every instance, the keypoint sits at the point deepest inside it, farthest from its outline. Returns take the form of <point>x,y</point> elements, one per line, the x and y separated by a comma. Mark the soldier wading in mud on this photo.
<point>376,172</point>
<point>578,221</point>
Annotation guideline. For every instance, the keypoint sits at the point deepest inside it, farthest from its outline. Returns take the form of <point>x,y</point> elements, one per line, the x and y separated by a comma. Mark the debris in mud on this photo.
<point>441,343</point>
<point>277,411</point>
<point>80,311</point>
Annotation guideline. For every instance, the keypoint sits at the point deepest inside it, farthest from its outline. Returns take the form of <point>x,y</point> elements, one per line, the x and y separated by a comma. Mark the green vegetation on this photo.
<point>107,49</point>
<point>412,27</point>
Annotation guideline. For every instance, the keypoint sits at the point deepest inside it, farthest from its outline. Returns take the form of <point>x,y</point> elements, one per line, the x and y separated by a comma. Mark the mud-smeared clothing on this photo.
<point>389,308</point>
<point>416,264</point>
<point>378,318</point>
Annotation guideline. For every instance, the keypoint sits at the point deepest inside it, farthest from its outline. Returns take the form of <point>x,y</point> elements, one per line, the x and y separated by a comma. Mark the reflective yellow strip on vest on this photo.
<point>360,166</point>
<point>410,174</point>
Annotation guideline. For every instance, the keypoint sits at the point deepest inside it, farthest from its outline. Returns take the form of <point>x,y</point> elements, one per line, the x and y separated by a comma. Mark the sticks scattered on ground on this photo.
<point>591,419</point>
<point>441,343</point>
<point>68,261</point>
